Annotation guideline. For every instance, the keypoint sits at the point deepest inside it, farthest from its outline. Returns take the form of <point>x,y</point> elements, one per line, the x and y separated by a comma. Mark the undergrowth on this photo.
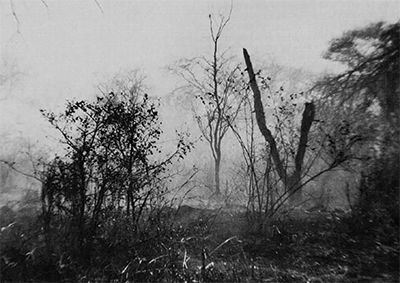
<point>321,248</point>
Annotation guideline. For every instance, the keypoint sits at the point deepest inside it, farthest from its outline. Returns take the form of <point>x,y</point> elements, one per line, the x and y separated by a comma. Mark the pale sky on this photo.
<point>63,50</point>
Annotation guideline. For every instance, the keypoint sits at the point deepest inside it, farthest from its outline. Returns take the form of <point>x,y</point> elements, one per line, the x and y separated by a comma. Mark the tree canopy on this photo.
<point>371,57</point>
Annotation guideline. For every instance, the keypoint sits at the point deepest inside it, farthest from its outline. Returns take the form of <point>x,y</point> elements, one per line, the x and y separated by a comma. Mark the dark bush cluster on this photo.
<point>377,209</point>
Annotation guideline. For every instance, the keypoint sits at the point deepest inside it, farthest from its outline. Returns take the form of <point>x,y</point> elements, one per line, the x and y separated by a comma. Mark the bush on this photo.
<point>377,210</point>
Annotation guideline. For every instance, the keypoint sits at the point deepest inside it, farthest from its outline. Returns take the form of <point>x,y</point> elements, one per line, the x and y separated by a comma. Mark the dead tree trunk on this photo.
<point>291,182</point>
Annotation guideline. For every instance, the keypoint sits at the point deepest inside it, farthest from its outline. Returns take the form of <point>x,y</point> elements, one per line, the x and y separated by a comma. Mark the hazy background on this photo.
<point>56,50</point>
<point>52,50</point>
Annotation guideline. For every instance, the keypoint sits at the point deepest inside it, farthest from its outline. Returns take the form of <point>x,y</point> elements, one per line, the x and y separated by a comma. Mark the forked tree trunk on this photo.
<point>292,182</point>
<point>294,188</point>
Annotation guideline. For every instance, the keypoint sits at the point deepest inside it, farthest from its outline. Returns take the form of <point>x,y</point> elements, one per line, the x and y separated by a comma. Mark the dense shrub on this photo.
<point>377,210</point>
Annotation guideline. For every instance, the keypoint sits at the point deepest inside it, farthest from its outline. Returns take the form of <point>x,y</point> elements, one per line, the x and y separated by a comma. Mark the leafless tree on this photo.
<point>215,83</point>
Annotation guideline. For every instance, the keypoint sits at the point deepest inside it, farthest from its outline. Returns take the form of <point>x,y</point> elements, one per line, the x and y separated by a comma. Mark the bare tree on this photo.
<point>215,84</point>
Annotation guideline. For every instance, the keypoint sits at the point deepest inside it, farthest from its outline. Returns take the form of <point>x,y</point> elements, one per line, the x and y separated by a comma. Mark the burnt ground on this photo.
<point>306,247</point>
<point>220,246</point>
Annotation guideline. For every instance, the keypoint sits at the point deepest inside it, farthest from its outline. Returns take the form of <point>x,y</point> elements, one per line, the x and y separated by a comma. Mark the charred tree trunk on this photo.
<point>294,188</point>
<point>260,117</point>
<point>292,183</point>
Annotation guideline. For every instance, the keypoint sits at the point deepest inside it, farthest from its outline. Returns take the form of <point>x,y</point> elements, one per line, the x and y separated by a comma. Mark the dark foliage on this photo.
<point>376,214</point>
<point>100,202</point>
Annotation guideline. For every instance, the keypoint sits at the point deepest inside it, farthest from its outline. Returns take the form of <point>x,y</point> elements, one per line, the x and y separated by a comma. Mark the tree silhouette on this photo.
<point>292,181</point>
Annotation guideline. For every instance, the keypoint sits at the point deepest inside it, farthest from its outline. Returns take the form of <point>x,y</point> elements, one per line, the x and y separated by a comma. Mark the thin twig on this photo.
<point>98,5</point>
